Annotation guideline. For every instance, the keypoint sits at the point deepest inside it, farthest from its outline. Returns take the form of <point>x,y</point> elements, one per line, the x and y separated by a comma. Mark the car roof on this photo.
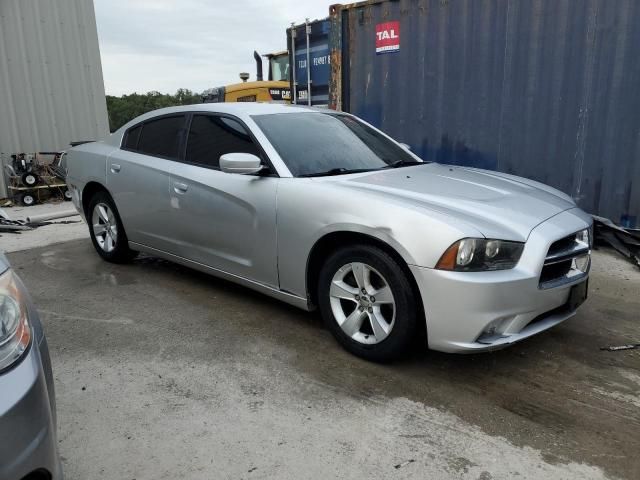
<point>233,108</point>
<point>239,109</point>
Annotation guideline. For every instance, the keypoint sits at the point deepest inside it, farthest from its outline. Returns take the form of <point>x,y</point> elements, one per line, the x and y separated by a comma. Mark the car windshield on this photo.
<point>329,143</point>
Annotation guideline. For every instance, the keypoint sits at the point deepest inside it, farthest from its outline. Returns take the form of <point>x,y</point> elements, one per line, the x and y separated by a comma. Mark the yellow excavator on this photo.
<point>275,90</point>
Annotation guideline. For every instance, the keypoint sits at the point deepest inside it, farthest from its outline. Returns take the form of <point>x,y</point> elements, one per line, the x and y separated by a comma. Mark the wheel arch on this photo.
<point>89,190</point>
<point>332,241</point>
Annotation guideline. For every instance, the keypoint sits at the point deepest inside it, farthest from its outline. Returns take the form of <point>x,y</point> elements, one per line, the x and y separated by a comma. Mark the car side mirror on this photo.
<point>243,163</point>
<point>406,146</point>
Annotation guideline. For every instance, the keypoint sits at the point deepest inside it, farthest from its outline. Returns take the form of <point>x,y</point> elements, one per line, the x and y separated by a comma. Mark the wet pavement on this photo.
<point>164,372</point>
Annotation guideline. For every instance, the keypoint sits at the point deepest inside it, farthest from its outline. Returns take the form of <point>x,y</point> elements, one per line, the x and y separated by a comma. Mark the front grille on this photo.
<point>565,261</point>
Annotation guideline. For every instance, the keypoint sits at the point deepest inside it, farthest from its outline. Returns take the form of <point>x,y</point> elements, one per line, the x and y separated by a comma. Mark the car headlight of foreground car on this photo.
<point>15,334</point>
<point>480,254</point>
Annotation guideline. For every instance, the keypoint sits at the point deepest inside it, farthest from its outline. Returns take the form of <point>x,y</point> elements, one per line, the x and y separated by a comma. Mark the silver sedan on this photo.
<point>320,209</point>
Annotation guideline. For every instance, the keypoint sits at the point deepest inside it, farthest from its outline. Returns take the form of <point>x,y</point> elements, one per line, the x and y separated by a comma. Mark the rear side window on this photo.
<point>162,137</point>
<point>131,139</point>
<point>211,136</point>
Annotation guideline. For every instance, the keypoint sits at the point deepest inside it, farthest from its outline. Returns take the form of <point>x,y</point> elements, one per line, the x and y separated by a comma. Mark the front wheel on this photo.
<point>368,303</point>
<point>106,230</point>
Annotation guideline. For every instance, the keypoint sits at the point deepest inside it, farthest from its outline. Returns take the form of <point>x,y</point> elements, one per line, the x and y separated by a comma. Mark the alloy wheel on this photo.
<point>105,227</point>
<point>362,303</point>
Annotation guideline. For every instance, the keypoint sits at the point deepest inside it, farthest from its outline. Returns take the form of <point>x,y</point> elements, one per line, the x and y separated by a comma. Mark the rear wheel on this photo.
<point>367,302</point>
<point>106,230</point>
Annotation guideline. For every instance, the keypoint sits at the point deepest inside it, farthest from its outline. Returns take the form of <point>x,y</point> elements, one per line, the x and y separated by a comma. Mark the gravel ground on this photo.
<point>165,373</point>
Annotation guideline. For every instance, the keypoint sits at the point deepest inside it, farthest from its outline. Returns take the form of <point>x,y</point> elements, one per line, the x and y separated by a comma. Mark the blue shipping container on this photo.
<point>545,89</point>
<point>318,59</point>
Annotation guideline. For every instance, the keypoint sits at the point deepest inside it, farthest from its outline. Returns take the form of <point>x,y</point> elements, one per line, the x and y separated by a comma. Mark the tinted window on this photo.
<point>311,143</point>
<point>131,139</point>
<point>211,136</point>
<point>162,137</point>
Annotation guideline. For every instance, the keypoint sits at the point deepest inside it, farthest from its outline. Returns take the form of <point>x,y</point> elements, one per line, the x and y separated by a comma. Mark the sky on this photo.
<point>164,45</point>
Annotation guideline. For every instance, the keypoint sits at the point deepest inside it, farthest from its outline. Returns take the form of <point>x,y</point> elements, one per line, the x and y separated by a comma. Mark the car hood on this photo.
<point>497,205</point>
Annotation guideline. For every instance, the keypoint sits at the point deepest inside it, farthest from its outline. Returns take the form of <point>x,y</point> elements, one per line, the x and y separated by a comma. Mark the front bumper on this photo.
<point>28,441</point>
<point>462,307</point>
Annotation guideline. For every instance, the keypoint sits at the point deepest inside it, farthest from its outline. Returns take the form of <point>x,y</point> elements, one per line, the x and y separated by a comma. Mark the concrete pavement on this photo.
<point>164,373</point>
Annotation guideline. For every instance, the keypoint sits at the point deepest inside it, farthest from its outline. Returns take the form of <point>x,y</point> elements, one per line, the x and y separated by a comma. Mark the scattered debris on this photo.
<point>403,464</point>
<point>16,226</point>
<point>13,226</point>
<point>625,241</point>
<point>612,348</point>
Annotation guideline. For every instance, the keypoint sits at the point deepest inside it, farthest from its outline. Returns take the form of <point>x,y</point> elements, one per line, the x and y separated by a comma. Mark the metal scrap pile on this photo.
<point>625,241</point>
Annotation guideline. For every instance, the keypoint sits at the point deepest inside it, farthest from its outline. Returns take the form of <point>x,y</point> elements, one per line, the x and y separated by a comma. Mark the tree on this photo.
<point>127,107</point>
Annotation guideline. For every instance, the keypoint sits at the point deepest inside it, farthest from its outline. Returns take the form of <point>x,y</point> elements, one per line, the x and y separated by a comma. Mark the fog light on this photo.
<point>581,263</point>
<point>496,327</point>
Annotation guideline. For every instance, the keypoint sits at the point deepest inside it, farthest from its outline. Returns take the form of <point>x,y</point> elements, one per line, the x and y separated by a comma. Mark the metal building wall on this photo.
<point>545,89</point>
<point>51,86</point>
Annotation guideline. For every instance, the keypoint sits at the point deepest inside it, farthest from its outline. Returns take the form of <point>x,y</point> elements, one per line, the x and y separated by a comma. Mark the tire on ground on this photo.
<point>401,338</point>
<point>121,252</point>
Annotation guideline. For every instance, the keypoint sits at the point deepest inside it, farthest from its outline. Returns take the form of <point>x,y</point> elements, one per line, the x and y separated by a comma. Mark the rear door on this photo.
<point>223,220</point>
<point>138,178</point>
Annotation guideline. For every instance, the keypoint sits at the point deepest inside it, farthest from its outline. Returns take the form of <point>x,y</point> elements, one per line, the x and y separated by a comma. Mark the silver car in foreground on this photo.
<point>320,209</point>
<point>28,445</point>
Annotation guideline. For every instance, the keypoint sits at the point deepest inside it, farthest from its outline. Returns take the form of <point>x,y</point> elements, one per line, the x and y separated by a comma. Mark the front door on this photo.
<point>223,220</point>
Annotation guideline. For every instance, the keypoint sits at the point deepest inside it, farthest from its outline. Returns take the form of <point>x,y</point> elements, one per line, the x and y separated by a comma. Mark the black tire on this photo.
<point>30,179</point>
<point>27,199</point>
<point>400,339</point>
<point>121,252</point>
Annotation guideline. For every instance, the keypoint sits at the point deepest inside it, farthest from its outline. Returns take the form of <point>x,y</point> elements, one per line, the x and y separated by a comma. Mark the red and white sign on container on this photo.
<point>387,37</point>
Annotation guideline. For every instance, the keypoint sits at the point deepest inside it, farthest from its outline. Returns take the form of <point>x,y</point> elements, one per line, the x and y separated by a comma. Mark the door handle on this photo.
<point>115,168</point>
<point>180,187</point>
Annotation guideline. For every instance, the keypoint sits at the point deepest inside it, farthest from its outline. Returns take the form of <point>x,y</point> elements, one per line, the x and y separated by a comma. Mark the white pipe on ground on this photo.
<point>52,216</point>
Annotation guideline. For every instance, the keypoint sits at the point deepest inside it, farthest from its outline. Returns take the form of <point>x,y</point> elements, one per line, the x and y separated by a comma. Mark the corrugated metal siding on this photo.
<point>51,86</point>
<point>545,89</point>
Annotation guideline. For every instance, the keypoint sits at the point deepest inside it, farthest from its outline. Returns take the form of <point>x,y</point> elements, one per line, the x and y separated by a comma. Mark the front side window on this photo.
<point>162,137</point>
<point>320,143</point>
<point>211,136</point>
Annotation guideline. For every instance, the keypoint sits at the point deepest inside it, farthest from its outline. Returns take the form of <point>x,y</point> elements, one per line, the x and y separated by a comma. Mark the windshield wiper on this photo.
<point>336,171</point>
<point>403,163</point>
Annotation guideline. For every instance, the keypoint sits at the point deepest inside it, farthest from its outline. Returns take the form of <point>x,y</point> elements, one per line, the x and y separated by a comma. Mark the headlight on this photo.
<point>480,254</point>
<point>15,334</point>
